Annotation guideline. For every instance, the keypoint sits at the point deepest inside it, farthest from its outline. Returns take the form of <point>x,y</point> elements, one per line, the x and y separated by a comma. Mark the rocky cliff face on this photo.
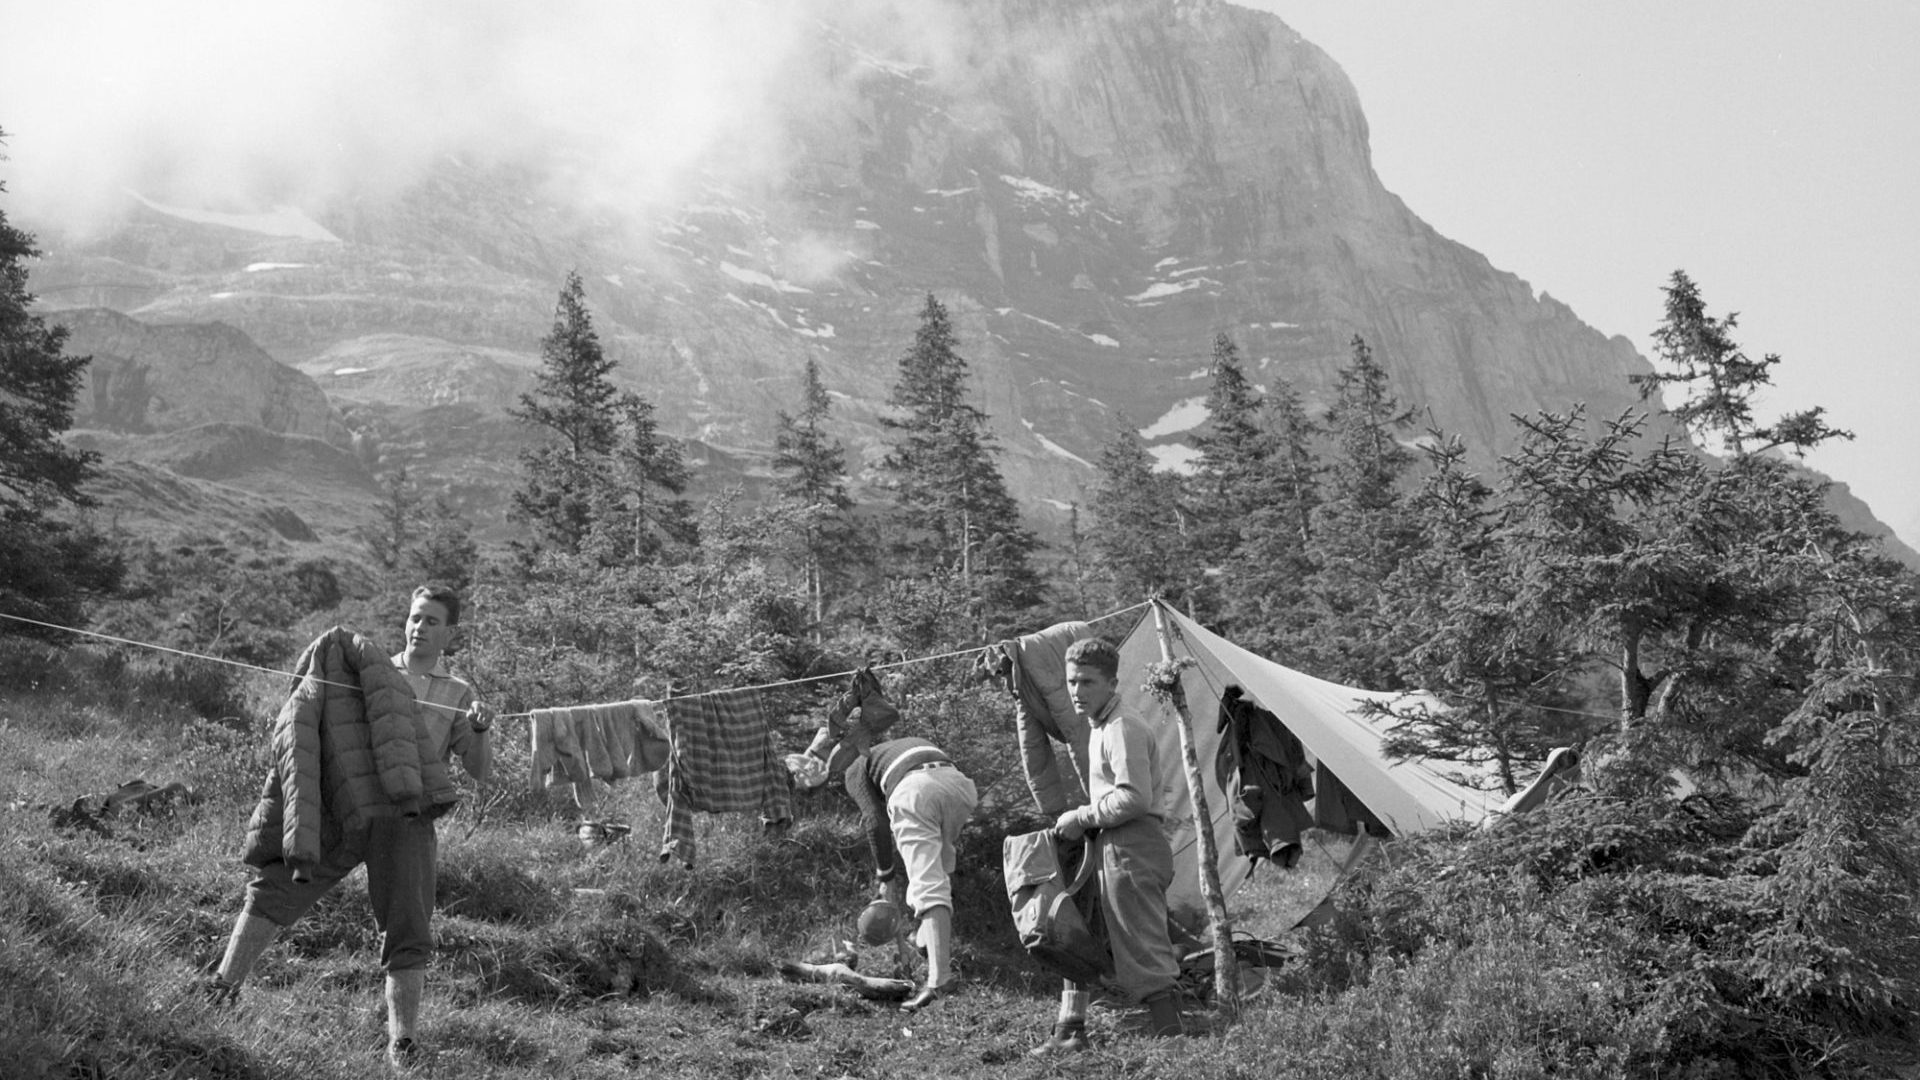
<point>1093,187</point>
<point>159,378</point>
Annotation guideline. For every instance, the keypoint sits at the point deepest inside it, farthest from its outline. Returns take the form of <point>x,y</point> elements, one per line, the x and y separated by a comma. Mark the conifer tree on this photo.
<point>387,538</point>
<point>444,551</point>
<point>605,484</point>
<point>48,565</point>
<point>574,399</point>
<point>954,505</point>
<point>1718,381</point>
<point>639,513</point>
<point>1233,459</point>
<point>1358,530</point>
<point>1270,566</point>
<point>813,466</point>
<point>1139,532</point>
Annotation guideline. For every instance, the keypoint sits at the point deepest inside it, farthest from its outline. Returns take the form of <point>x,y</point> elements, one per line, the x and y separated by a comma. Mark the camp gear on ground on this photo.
<point>597,834</point>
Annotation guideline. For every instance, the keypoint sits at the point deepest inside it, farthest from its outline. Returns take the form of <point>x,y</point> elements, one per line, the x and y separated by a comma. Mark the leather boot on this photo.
<point>1163,1014</point>
<point>1069,1037</point>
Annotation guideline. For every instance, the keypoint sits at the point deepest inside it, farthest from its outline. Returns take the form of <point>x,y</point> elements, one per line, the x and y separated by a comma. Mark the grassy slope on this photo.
<point>553,962</point>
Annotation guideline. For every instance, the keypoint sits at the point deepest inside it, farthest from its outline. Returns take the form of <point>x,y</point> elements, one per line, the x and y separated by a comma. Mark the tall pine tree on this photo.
<point>956,512</point>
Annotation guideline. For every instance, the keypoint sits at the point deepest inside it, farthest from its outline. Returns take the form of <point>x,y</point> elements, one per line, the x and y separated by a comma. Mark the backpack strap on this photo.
<point>1088,863</point>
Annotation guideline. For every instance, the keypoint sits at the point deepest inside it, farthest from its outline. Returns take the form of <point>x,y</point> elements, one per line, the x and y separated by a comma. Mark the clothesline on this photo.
<point>845,674</point>
<point>519,715</point>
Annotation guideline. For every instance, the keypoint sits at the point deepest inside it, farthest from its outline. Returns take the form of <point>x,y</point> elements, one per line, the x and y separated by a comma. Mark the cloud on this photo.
<point>241,107</point>
<point>231,107</point>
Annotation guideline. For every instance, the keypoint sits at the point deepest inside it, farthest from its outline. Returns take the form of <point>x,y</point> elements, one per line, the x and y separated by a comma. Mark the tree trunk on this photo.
<point>1226,979</point>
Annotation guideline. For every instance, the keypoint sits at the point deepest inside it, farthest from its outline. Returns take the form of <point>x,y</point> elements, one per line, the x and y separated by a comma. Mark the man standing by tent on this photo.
<point>1128,788</point>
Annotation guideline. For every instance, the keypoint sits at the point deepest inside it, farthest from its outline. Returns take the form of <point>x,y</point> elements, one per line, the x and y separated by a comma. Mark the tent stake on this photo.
<point>1226,976</point>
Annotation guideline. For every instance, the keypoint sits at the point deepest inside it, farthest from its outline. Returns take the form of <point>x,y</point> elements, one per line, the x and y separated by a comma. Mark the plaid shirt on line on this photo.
<point>723,761</point>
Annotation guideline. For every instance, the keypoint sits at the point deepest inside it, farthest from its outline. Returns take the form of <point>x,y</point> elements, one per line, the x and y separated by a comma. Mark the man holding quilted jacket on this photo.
<point>380,732</point>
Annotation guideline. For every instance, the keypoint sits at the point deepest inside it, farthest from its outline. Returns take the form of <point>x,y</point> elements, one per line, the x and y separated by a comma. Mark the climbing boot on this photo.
<point>1163,1014</point>
<point>1069,1037</point>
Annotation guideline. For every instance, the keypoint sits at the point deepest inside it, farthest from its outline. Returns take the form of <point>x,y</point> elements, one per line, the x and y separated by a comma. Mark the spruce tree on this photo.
<point>49,565</point>
<point>574,399</point>
<point>956,512</point>
<point>1718,382</point>
<point>444,551</point>
<point>1359,531</point>
<point>1139,525</point>
<point>387,538</point>
<point>1270,566</point>
<point>1233,456</point>
<point>639,514</point>
<point>813,467</point>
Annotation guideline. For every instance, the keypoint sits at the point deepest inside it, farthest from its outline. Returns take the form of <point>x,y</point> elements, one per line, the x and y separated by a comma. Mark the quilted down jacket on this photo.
<point>1034,670</point>
<point>347,748</point>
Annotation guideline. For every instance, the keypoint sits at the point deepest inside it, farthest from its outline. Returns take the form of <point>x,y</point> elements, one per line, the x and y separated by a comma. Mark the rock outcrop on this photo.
<point>158,378</point>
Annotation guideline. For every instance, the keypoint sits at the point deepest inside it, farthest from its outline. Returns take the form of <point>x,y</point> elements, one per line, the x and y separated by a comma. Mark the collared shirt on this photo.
<point>444,701</point>
<point>1129,777</point>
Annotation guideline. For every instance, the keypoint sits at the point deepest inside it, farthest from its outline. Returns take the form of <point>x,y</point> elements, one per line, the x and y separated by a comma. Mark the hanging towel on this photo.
<point>723,761</point>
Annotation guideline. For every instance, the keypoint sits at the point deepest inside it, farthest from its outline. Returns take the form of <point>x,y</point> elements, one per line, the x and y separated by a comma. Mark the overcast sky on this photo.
<point>1770,149</point>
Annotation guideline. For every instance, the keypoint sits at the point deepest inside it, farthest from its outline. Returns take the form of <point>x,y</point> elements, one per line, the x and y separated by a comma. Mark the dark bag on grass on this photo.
<point>1054,911</point>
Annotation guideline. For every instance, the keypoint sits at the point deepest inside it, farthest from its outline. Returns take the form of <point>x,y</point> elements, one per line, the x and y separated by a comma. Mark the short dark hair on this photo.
<point>443,596</point>
<point>1097,654</point>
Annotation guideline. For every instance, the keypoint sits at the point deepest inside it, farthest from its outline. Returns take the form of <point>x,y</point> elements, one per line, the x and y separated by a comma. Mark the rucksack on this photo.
<point>1054,912</point>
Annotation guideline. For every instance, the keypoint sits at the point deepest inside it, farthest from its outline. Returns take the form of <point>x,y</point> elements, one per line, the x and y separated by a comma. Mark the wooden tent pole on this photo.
<point>1226,981</point>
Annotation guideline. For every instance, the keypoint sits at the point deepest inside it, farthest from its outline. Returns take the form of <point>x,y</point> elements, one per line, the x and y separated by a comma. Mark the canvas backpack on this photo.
<point>1054,910</point>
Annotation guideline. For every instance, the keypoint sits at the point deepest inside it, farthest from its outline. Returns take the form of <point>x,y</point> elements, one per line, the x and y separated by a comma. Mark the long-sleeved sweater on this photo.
<point>1128,780</point>
<point>871,778</point>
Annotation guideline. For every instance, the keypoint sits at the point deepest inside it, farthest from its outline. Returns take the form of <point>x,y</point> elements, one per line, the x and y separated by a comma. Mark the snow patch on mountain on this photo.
<point>765,281</point>
<point>1175,458</point>
<point>1160,290</point>
<point>1184,416</point>
<point>280,221</point>
<point>1055,448</point>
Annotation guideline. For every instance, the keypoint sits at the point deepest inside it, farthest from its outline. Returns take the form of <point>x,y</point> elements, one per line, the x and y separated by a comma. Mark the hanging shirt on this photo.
<point>723,761</point>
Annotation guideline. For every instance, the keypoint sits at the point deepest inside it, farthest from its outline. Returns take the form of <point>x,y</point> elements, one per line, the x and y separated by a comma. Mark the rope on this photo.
<point>524,715</point>
<point>200,656</point>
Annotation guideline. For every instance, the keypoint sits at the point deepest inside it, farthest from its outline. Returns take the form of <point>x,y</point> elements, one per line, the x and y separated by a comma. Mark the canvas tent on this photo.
<point>1327,718</point>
